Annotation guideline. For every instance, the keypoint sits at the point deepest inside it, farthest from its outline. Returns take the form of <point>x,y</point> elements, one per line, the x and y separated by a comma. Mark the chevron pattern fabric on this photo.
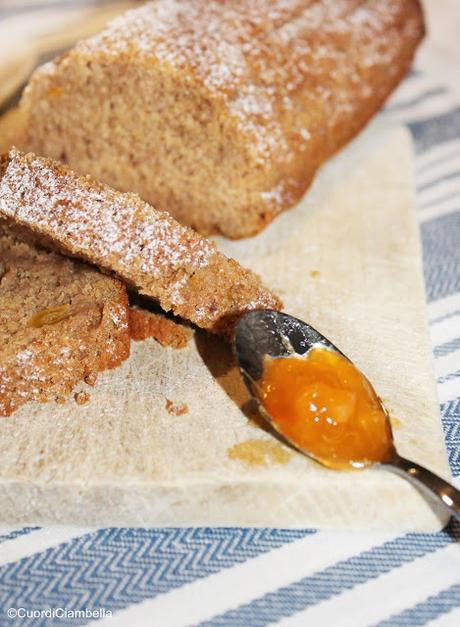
<point>117,567</point>
<point>256,577</point>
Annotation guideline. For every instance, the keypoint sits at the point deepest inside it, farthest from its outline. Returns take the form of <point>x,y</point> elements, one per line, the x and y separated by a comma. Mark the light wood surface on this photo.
<point>347,259</point>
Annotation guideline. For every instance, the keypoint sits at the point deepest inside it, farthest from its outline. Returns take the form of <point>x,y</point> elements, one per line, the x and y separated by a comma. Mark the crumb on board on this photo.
<point>259,452</point>
<point>314,274</point>
<point>90,378</point>
<point>176,409</point>
<point>81,398</point>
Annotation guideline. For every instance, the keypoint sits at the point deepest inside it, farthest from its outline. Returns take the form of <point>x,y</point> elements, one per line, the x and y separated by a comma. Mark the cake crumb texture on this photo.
<point>144,324</point>
<point>42,363</point>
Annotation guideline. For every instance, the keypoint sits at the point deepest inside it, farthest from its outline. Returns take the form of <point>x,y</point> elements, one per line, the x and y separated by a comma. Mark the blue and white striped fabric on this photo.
<point>247,577</point>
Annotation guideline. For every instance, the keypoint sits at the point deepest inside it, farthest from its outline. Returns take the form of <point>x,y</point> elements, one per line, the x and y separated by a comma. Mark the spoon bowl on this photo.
<point>263,334</point>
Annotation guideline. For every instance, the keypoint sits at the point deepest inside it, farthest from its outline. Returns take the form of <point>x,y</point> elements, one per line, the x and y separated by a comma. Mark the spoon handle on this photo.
<point>428,481</point>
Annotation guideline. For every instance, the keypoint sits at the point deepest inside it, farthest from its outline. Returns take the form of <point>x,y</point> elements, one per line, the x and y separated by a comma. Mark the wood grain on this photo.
<point>348,260</point>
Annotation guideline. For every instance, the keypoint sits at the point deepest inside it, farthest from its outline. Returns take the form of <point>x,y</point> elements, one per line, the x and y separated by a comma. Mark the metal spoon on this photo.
<point>271,333</point>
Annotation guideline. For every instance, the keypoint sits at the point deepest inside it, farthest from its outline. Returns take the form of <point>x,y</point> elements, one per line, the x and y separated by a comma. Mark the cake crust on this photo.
<point>145,324</point>
<point>122,235</point>
<point>221,112</point>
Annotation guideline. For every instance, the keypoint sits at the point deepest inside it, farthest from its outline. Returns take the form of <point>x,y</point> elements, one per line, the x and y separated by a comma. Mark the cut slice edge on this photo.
<point>62,322</point>
<point>124,236</point>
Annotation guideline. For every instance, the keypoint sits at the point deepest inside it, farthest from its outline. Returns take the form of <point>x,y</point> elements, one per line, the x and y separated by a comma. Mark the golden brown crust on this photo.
<point>124,236</point>
<point>145,324</point>
<point>250,99</point>
<point>41,360</point>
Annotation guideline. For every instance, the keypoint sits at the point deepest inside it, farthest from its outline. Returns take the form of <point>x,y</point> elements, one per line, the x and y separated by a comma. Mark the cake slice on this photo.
<point>61,321</point>
<point>123,235</point>
<point>221,112</point>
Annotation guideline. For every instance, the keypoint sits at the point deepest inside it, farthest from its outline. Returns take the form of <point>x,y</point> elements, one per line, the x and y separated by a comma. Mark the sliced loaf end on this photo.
<point>60,322</point>
<point>126,237</point>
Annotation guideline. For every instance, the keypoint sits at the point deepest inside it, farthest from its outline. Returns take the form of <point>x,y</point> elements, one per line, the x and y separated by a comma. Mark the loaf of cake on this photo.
<point>61,322</point>
<point>122,235</point>
<point>220,112</point>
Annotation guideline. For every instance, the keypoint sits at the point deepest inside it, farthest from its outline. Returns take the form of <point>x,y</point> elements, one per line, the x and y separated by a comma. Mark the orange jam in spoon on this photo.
<point>323,404</point>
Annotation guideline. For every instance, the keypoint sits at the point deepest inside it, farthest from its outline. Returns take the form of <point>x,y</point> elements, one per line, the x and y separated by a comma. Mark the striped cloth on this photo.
<point>166,577</point>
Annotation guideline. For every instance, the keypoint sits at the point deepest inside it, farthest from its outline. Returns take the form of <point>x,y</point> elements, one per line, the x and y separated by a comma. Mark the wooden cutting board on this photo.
<point>348,260</point>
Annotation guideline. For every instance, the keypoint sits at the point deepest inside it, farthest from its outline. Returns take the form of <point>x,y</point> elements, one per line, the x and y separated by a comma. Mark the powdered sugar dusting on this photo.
<point>119,316</point>
<point>256,54</point>
<point>123,235</point>
<point>276,196</point>
<point>93,222</point>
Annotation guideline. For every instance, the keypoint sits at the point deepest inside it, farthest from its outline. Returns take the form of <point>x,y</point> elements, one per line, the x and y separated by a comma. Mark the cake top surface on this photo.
<point>224,42</point>
<point>254,54</point>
